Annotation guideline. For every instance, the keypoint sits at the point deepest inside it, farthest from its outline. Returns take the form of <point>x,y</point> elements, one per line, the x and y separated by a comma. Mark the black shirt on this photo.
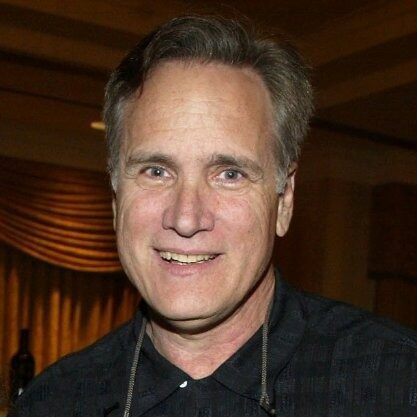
<point>325,359</point>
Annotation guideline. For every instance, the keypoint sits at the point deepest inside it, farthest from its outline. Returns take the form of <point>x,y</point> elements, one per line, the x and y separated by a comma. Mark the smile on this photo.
<point>185,259</point>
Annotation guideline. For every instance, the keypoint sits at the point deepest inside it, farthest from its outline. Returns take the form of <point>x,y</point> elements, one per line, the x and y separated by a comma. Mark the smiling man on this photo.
<point>204,122</point>
<point>196,207</point>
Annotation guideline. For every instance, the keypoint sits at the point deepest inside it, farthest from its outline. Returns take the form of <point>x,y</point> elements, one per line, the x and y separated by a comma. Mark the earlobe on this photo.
<point>286,203</point>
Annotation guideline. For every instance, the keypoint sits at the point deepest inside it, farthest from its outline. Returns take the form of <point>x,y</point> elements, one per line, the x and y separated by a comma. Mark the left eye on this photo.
<point>156,172</point>
<point>231,175</point>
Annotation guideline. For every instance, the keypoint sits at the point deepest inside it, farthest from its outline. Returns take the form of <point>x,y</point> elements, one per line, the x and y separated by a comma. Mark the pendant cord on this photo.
<point>134,368</point>
<point>264,400</point>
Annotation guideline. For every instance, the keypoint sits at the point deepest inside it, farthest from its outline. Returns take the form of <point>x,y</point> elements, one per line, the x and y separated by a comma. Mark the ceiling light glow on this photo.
<point>98,125</point>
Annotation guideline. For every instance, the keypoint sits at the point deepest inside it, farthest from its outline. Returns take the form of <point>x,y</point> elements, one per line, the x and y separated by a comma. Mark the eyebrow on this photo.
<point>148,158</point>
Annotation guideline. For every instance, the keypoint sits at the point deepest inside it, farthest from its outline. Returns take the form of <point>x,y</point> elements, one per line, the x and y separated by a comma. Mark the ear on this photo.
<point>286,202</point>
<point>114,209</point>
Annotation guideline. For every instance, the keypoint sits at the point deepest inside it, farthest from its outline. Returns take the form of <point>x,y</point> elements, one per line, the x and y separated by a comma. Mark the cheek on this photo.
<point>137,213</point>
<point>138,218</point>
<point>248,218</point>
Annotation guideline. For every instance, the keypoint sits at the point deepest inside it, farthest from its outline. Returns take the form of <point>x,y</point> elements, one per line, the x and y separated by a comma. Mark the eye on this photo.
<point>154,176</point>
<point>231,175</point>
<point>156,172</point>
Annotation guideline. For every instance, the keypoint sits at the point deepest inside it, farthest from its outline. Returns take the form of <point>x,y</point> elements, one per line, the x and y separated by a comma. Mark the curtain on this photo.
<point>65,310</point>
<point>59,271</point>
<point>59,215</point>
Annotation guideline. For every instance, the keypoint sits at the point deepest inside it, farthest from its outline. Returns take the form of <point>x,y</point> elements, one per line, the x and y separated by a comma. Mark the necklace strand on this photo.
<point>264,401</point>
<point>134,368</point>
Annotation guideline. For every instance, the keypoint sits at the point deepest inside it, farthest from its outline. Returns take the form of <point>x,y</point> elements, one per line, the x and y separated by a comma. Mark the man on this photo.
<point>204,123</point>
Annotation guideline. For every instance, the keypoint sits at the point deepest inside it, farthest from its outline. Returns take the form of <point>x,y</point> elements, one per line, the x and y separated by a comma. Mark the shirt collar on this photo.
<point>157,378</point>
<point>242,372</point>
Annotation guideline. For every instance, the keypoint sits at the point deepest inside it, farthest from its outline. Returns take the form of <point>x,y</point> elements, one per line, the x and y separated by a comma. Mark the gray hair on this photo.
<point>213,39</point>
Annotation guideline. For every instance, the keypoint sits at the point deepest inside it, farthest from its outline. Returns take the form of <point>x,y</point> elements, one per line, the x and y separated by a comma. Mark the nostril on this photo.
<point>188,212</point>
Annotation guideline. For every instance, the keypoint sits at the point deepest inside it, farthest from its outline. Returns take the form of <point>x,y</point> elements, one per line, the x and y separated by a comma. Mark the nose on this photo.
<point>189,212</point>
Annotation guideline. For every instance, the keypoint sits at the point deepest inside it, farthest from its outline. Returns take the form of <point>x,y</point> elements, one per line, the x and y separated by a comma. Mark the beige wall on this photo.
<point>326,250</point>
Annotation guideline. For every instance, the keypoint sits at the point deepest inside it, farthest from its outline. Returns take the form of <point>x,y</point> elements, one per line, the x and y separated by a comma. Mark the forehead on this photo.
<point>202,98</point>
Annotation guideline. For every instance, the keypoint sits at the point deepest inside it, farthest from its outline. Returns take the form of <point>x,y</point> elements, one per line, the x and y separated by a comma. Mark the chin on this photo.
<point>183,316</point>
<point>181,311</point>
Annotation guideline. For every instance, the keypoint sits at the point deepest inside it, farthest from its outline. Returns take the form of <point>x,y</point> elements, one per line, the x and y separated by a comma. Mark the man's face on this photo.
<point>196,204</point>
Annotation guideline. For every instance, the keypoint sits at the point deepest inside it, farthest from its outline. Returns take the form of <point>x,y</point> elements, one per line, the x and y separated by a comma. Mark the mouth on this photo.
<point>186,259</point>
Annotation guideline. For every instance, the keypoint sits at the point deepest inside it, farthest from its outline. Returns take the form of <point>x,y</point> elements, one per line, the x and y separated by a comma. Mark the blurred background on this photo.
<point>354,235</point>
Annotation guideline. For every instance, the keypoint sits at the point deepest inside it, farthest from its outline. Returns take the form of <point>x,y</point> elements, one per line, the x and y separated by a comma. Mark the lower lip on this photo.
<point>178,269</point>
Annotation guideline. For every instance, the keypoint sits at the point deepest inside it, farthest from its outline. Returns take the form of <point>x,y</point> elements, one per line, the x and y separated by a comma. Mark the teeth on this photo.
<point>185,259</point>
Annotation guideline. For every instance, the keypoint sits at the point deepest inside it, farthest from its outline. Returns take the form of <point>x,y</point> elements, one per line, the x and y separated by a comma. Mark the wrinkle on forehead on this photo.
<point>200,89</point>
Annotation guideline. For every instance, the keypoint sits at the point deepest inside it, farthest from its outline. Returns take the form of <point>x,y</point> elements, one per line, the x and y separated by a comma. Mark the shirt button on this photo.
<point>184,384</point>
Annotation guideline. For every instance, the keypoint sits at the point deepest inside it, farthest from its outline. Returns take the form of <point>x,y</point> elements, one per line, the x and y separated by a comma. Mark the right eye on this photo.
<point>154,176</point>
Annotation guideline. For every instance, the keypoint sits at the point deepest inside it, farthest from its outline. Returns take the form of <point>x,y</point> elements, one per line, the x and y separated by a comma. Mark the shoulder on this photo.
<point>334,319</point>
<point>353,359</point>
<point>89,360</point>
<point>84,373</point>
<point>364,347</point>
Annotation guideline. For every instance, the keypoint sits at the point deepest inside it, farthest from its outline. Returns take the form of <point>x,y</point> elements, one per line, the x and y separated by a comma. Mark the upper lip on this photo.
<point>188,252</point>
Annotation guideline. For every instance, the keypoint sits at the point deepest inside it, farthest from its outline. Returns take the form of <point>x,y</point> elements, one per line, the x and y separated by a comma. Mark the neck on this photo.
<point>199,354</point>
